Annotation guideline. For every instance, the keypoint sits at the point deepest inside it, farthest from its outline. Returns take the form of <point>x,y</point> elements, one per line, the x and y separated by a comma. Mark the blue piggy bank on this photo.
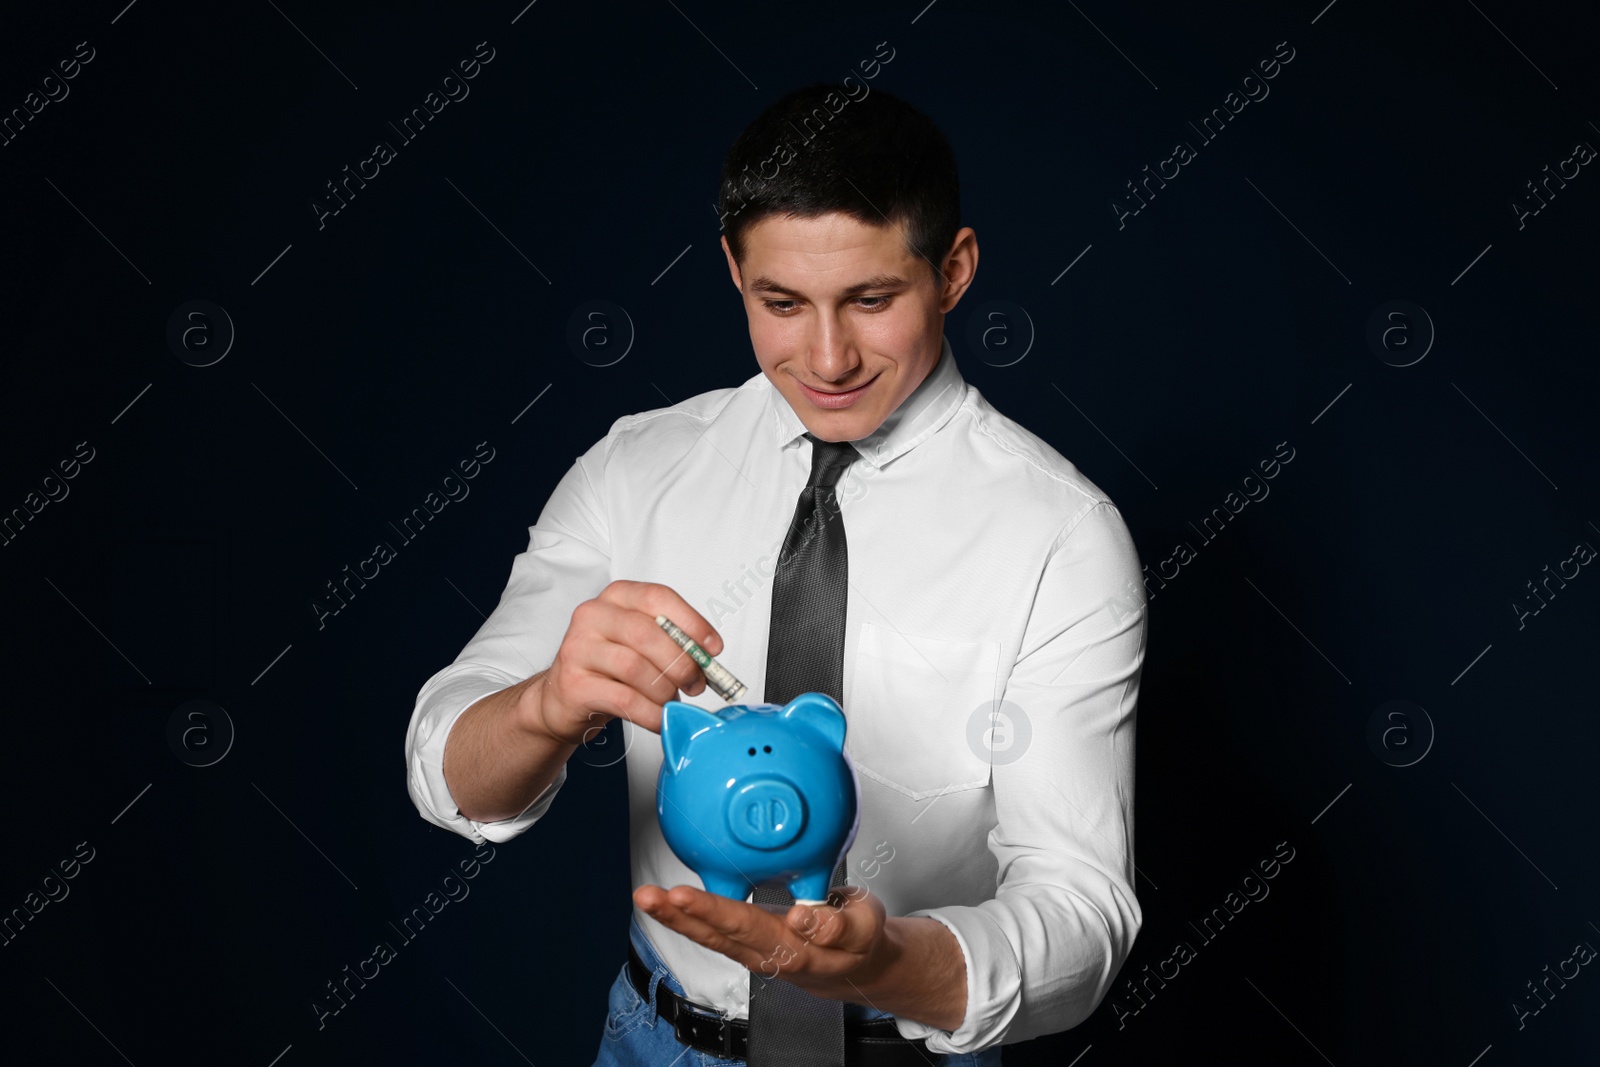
<point>757,793</point>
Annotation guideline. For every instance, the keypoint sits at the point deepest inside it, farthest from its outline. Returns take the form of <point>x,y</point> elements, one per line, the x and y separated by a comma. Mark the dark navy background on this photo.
<point>372,355</point>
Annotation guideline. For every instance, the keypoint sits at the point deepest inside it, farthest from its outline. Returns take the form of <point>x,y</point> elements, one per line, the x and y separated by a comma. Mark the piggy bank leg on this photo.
<point>811,888</point>
<point>732,888</point>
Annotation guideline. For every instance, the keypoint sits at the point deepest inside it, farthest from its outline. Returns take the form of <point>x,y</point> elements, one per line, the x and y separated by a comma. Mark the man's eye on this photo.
<point>866,303</point>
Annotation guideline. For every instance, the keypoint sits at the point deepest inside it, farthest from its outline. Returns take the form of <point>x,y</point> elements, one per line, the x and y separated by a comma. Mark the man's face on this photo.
<point>839,307</point>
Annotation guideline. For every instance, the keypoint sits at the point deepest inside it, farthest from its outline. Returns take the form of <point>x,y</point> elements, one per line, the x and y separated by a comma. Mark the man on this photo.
<point>993,637</point>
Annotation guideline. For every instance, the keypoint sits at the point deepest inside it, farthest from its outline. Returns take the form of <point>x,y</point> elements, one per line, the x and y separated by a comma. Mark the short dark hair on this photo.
<point>874,158</point>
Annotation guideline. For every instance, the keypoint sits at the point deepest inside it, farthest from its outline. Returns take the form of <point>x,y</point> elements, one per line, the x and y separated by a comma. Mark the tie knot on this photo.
<point>829,460</point>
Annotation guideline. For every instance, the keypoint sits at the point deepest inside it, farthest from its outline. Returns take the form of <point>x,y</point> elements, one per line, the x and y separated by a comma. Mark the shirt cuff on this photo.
<point>425,771</point>
<point>994,984</point>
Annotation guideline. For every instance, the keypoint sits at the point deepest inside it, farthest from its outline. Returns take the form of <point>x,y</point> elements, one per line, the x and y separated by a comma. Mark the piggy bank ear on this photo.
<point>821,713</point>
<point>680,724</point>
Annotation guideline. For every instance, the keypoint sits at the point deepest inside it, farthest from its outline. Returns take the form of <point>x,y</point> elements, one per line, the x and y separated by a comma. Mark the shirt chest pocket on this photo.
<point>918,710</point>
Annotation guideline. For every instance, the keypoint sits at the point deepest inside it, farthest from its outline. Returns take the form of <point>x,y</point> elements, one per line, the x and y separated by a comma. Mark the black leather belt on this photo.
<point>867,1043</point>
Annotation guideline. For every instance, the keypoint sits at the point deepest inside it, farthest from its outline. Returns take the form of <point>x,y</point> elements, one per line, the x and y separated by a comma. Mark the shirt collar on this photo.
<point>918,417</point>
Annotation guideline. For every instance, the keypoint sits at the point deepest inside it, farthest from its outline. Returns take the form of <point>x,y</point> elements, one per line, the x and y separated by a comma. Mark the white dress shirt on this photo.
<point>984,567</point>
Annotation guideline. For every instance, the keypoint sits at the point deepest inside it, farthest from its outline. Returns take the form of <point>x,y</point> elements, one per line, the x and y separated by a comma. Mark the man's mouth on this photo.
<point>836,399</point>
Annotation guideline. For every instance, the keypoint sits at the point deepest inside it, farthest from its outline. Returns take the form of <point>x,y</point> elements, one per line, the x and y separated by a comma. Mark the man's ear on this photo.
<point>733,265</point>
<point>960,268</point>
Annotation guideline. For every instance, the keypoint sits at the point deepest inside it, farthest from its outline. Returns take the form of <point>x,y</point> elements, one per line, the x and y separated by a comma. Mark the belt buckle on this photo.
<point>688,1026</point>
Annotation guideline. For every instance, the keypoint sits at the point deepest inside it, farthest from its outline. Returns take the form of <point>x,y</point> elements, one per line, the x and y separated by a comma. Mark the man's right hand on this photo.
<point>616,662</point>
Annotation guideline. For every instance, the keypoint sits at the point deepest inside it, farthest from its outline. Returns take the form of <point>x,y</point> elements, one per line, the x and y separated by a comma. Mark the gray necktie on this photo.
<point>805,654</point>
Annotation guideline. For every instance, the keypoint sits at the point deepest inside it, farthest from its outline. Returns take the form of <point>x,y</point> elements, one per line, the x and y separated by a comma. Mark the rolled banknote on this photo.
<point>718,677</point>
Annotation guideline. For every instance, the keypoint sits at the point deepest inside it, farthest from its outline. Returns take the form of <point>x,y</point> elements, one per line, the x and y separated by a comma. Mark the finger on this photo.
<point>604,639</point>
<point>735,918</point>
<point>661,652</point>
<point>655,671</point>
<point>848,922</point>
<point>825,926</point>
<point>652,599</point>
<point>627,645</point>
<point>649,898</point>
<point>620,701</point>
<point>750,925</point>
<point>702,932</point>
<point>580,698</point>
<point>821,926</point>
<point>663,600</point>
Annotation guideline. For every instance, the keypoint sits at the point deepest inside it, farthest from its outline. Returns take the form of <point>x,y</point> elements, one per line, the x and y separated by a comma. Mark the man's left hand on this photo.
<point>834,950</point>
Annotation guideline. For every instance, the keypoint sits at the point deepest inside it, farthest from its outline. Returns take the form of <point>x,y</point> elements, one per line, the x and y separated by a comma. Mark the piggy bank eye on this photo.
<point>752,752</point>
<point>764,748</point>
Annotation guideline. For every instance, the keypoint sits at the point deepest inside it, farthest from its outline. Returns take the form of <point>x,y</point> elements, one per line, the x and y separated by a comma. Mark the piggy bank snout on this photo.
<point>766,813</point>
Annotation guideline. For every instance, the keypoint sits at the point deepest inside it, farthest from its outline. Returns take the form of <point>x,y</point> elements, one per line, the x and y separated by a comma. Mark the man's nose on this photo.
<point>833,356</point>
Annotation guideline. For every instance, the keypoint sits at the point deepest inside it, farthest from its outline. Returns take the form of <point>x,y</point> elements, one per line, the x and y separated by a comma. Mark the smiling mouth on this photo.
<point>841,392</point>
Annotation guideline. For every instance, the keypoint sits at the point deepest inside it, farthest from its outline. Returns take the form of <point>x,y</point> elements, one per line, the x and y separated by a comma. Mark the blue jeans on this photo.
<point>635,1036</point>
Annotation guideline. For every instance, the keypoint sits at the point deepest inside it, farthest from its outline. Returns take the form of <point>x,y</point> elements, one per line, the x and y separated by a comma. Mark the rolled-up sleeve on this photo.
<point>1043,953</point>
<point>567,562</point>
